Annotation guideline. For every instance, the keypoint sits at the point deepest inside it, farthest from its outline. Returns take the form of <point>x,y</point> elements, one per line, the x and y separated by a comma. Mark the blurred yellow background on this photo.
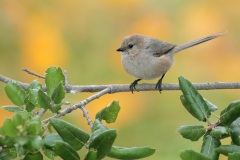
<point>82,36</point>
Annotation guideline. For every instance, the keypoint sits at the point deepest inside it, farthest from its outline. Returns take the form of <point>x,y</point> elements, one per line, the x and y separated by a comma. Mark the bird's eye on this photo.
<point>130,45</point>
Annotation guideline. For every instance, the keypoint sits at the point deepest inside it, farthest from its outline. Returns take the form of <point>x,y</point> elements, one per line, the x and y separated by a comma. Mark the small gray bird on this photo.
<point>149,58</point>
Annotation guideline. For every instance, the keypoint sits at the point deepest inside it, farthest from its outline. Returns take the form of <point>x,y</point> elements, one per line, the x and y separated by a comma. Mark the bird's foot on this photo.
<point>159,84</point>
<point>133,85</point>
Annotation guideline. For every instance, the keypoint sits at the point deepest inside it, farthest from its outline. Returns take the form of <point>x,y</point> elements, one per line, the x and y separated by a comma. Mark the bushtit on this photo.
<point>149,58</point>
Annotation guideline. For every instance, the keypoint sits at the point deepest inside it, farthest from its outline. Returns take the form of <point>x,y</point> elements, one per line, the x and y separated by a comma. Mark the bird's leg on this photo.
<point>159,83</point>
<point>133,85</point>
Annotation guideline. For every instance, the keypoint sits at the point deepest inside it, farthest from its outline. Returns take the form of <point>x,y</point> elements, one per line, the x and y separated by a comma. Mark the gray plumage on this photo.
<point>148,58</point>
<point>198,41</point>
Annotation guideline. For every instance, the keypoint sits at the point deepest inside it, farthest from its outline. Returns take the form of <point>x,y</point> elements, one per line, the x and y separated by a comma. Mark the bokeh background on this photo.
<point>82,36</point>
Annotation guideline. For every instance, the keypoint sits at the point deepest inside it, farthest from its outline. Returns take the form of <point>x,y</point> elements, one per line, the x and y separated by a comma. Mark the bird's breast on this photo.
<point>144,66</point>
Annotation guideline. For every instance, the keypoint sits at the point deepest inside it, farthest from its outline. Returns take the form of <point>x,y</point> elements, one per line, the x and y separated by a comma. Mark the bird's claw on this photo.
<point>159,84</point>
<point>133,85</point>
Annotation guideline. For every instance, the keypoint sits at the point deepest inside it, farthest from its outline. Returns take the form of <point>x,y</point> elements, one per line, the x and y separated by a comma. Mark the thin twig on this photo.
<point>41,112</point>
<point>85,114</point>
<point>66,78</point>
<point>80,105</point>
<point>215,115</point>
<point>32,73</point>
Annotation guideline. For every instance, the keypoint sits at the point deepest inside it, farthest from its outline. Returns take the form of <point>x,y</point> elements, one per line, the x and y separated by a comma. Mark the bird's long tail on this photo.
<point>198,41</point>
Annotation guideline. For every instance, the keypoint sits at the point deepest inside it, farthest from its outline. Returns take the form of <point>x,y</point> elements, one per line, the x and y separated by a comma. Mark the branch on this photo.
<point>41,112</point>
<point>80,105</point>
<point>115,88</point>
<point>5,79</point>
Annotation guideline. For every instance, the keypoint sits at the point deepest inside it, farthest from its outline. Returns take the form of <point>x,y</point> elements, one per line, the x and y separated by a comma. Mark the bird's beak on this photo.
<point>121,49</point>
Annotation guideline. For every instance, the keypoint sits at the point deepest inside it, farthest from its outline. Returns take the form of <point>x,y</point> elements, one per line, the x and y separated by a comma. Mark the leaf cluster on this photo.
<point>25,136</point>
<point>227,125</point>
<point>35,97</point>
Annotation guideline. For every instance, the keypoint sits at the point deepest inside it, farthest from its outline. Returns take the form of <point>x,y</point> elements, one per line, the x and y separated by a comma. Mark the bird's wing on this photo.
<point>158,48</point>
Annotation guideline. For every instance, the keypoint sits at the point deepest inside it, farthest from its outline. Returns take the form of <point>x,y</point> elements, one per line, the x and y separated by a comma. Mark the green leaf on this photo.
<point>53,76</point>
<point>192,132</point>
<point>193,112</point>
<point>220,131</point>
<point>21,141</point>
<point>33,156</point>
<point>21,118</point>
<point>98,126</point>
<point>15,93</point>
<point>92,154</point>
<point>194,102</point>
<point>209,146</point>
<point>49,139</point>
<point>230,106</point>
<point>49,153</point>
<point>233,156</point>
<point>103,143</point>
<point>34,85</point>
<point>43,100</point>
<point>210,105</point>
<point>192,155</point>
<point>58,93</point>
<point>65,151</point>
<point>231,113</point>
<point>56,108</point>
<point>109,113</point>
<point>29,106</point>
<point>235,138</point>
<point>34,143</point>
<point>97,129</point>
<point>9,128</point>
<point>101,139</point>
<point>13,108</point>
<point>33,97</point>
<point>7,141</point>
<point>207,133</point>
<point>69,133</point>
<point>235,126</point>
<point>7,156</point>
<point>226,149</point>
<point>35,126</point>
<point>130,153</point>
